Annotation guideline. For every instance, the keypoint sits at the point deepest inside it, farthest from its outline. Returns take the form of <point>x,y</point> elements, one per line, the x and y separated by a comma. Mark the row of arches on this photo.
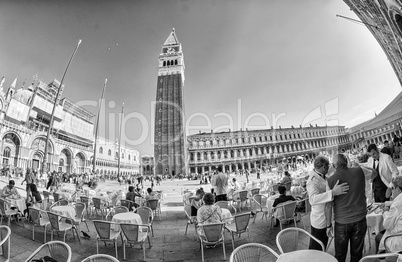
<point>109,153</point>
<point>170,62</point>
<point>263,138</point>
<point>235,153</point>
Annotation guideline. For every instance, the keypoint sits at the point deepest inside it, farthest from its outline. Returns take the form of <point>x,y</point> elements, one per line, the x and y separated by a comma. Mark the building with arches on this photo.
<point>248,150</point>
<point>24,120</point>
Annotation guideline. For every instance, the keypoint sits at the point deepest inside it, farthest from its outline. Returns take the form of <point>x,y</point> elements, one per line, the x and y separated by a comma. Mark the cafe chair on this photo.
<point>48,195</point>
<point>154,205</point>
<point>133,234</point>
<point>59,251</point>
<point>190,219</point>
<point>106,234</point>
<point>60,226</point>
<point>88,205</point>
<point>240,197</point>
<point>127,203</point>
<point>378,257</point>
<point>239,226</point>
<point>395,238</point>
<point>284,212</point>
<point>100,258</point>
<point>212,234</point>
<point>306,212</point>
<point>292,239</point>
<point>57,196</point>
<point>61,202</point>
<point>147,217</point>
<point>114,211</point>
<point>253,252</point>
<point>5,242</point>
<point>8,212</point>
<point>37,220</point>
<point>80,208</point>
<point>255,191</point>
<point>98,206</point>
<point>259,205</point>
<point>225,204</point>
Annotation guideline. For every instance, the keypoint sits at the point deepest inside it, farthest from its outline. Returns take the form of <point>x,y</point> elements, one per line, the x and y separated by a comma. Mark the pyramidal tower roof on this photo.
<point>172,39</point>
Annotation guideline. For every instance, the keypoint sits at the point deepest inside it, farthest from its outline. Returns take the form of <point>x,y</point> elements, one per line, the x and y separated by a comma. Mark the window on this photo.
<point>129,157</point>
<point>7,152</point>
<point>100,150</point>
<point>109,153</point>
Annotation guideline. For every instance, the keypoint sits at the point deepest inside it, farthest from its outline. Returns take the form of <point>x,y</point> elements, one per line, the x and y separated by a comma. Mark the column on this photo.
<point>230,168</point>
<point>203,169</point>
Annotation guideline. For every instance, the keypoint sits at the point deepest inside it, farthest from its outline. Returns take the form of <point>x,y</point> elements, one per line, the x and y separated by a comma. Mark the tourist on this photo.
<point>197,202</point>
<point>234,184</point>
<point>282,199</point>
<point>387,149</point>
<point>349,210</point>
<point>392,220</point>
<point>131,195</point>
<point>29,179</point>
<point>208,213</point>
<point>220,185</point>
<point>386,169</point>
<point>10,191</point>
<point>318,197</point>
<point>286,181</point>
<point>151,194</point>
<point>34,199</point>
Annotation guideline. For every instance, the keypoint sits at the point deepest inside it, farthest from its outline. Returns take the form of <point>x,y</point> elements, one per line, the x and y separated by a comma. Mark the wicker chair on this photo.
<point>8,212</point>
<point>147,217</point>
<point>5,242</point>
<point>114,211</point>
<point>58,225</point>
<point>80,208</point>
<point>61,202</point>
<point>154,205</point>
<point>106,234</point>
<point>225,204</point>
<point>133,234</point>
<point>48,195</point>
<point>259,204</point>
<point>88,205</point>
<point>253,252</point>
<point>284,212</point>
<point>99,206</point>
<point>100,258</point>
<point>56,196</point>
<point>190,219</point>
<point>127,203</point>
<point>395,237</point>
<point>57,250</point>
<point>372,258</point>
<point>307,211</point>
<point>212,234</point>
<point>37,220</point>
<point>292,239</point>
<point>255,191</point>
<point>240,197</point>
<point>239,226</point>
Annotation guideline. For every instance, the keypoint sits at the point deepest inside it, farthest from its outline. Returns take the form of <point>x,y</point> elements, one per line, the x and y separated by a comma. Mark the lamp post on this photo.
<point>44,162</point>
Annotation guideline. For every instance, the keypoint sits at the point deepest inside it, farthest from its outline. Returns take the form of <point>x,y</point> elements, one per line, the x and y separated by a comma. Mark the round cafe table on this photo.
<point>125,218</point>
<point>20,203</point>
<point>226,215</point>
<point>306,256</point>
<point>66,211</point>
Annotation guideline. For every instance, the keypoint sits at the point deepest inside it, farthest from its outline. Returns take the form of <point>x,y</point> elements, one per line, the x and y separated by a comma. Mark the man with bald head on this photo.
<point>349,209</point>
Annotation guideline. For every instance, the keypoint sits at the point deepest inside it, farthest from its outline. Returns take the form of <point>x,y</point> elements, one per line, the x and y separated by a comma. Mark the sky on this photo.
<point>248,64</point>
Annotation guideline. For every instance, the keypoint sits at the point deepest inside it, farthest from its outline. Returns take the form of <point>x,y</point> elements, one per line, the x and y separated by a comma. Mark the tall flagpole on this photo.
<point>44,162</point>
<point>119,154</point>
<point>97,128</point>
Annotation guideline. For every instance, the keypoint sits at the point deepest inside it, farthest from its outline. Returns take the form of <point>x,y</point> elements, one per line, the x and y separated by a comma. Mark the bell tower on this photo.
<point>170,137</point>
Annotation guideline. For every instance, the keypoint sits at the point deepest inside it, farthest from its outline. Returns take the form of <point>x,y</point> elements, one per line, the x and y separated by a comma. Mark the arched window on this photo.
<point>129,157</point>
<point>61,162</point>
<point>122,155</point>
<point>168,63</point>
<point>7,152</point>
<point>100,150</point>
<point>164,63</point>
<point>175,62</point>
<point>109,153</point>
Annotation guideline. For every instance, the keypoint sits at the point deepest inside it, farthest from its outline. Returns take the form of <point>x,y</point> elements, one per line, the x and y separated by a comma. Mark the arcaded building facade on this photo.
<point>24,121</point>
<point>243,150</point>
<point>170,138</point>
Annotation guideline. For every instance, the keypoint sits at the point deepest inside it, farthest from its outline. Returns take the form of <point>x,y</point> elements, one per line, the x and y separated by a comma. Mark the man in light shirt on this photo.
<point>220,185</point>
<point>318,197</point>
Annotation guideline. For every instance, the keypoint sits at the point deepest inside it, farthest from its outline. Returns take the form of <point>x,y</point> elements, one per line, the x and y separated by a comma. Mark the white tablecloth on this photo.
<point>374,220</point>
<point>125,218</point>
<point>270,203</point>
<point>306,256</point>
<point>66,211</point>
<point>20,203</point>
